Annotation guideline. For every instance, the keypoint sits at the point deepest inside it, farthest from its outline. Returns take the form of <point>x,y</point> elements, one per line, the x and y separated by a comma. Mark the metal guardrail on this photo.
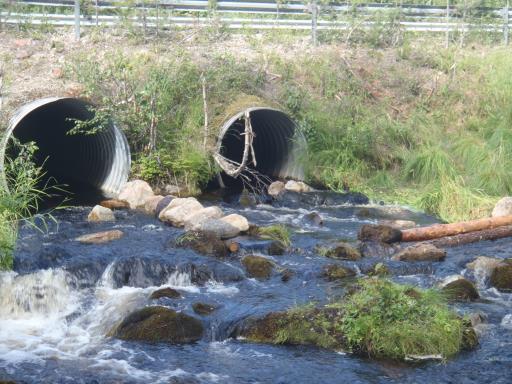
<point>264,14</point>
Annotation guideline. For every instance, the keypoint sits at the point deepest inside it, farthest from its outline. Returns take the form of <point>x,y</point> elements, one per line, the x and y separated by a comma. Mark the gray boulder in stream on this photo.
<point>159,325</point>
<point>420,252</point>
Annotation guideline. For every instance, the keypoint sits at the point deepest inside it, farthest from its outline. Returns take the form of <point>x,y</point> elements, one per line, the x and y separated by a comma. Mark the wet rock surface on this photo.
<point>420,252</point>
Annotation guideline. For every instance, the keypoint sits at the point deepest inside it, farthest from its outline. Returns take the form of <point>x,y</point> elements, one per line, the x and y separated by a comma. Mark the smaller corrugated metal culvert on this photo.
<point>99,162</point>
<point>277,144</point>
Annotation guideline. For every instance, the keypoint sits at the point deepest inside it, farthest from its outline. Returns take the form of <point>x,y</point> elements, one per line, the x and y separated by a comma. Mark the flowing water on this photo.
<point>63,297</point>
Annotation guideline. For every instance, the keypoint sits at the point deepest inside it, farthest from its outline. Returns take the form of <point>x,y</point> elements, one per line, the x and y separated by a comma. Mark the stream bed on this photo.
<point>63,297</point>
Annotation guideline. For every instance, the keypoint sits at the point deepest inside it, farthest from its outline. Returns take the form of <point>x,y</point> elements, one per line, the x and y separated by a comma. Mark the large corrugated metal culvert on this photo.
<point>82,163</point>
<point>277,143</point>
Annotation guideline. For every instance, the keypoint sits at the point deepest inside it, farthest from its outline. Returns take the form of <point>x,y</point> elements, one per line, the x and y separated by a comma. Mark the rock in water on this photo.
<point>313,218</point>
<point>204,243</point>
<point>151,204</point>
<point>115,204</point>
<point>503,207</point>
<point>342,250</point>
<point>459,288</point>
<point>420,252</point>
<point>218,228</point>
<point>258,266</point>
<point>276,188</point>
<point>501,277</point>
<point>482,267</point>
<point>203,309</point>
<point>276,248</point>
<point>193,222</point>
<point>247,199</point>
<point>165,292</point>
<point>237,221</point>
<point>100,213</point>
<point>100,237</point>
<point>159,325</point>
<point>297,186</point>
<point>179,210</point>
<point>333,272</point>
<point>136,193</point>
<point>383,233</point>
<point>399,224</point>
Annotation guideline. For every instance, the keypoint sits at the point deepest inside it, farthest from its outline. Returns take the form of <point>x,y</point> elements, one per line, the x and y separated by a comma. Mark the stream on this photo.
<point>63,297</point>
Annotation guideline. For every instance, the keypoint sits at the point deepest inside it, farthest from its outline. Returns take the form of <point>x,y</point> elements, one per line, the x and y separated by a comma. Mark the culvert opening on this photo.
<point>277,146</point>
<point>87,166</point>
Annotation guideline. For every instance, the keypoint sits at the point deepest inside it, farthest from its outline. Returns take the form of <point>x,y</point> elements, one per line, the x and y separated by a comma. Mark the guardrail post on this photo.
<point>505,23</point>
<point>447,42</point>
<point>314,22</point>
<point>77,20</point>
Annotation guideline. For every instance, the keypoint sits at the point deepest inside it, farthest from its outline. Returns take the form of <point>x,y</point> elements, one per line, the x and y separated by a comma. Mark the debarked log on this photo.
<point>473,237</point>
<point>442,230</point>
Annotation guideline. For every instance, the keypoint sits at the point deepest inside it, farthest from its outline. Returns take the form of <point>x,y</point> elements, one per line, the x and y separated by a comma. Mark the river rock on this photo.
<point>115,204</point>
<point>205,243</point>
<point>247,199</point>
<point>333,272</point>
<point>151,204</point>
<point>100,237</point>
<point>377,249</point>
<point>482,267</point>
<point>387,212</point>
<point>165,292</point>
<point>100,213</point>
<point>313,218</point>
<point>237,221</point>
<point>162,204</point>
<point>297,186</point>
<point>179,210</point>
<point>203,309</point>
<point>420,252</point>
<point>276,188</point>
<point>159,325</point>
<point>276,248</point>
<point>218,228</point>
<point>286,275</point>
<point>193,222</point>
<point>501,276</point>
<point>257,266</point>
<point>503,207</point>
<point>383,233</point>
<point>342,250</point>
<point>456,287</point>
<point>136,193</point>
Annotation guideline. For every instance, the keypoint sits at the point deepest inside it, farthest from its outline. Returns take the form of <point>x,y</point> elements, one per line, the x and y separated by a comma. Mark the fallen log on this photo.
<point>442,230</point>
<point>473,237</point>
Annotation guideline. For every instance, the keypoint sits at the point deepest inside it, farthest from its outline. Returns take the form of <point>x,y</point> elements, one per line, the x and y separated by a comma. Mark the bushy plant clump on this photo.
<point>378,318</point>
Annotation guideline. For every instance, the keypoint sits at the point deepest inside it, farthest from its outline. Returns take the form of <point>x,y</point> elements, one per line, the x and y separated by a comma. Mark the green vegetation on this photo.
<point>384,319</point>
<point>20,201</point>
<point>278,232</point>
<point>379,318</point>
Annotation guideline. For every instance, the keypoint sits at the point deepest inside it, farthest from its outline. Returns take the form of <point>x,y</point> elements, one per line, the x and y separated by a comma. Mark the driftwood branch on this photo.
<point>473,237</point>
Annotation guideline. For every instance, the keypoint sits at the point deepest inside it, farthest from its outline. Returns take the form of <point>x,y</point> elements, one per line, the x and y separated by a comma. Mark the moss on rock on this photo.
<point>204,243</point>
<point>159,325</point>
<point>165,292</point>
<point>333,272</point>
<point>258,266</point>
<point>203,309</point>
<point>501,276</point>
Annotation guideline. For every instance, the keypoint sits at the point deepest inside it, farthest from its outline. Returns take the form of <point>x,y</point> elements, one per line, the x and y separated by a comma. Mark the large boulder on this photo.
<point>159,325</point>
<point>193,222</point>
<point>501,276</point>
<point>482,267</point>
<point>383,233</point>
<point>258,267</point>
<point>237,221</point>
<point>179,210</point>
<point>99,213</point>
<point>297,186</point>
<point>503,207</point>
<point>276,188</point>
<point>136,193</point>
<point>151,204</point>
<point>456,287</point>
<point>420,252</point>
<point>100,237</point>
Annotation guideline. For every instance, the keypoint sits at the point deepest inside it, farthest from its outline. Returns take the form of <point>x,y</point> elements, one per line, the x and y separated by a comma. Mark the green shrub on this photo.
<point>384,319</point>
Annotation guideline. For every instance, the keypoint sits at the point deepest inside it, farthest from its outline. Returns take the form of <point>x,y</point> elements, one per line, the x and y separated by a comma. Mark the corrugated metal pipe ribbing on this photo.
<point>99,162</point>
<point>277,143</point>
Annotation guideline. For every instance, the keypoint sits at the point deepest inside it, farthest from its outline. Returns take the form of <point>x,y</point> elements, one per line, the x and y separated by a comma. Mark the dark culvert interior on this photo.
<point>86,166</point>
<point>273,144</point>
